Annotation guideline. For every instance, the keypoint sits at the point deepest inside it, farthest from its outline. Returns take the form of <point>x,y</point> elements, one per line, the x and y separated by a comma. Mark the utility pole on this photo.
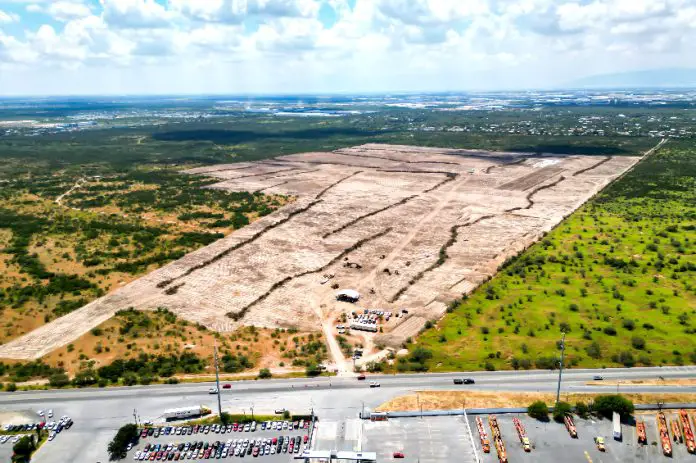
<point>217,380</point>
<point>560,370</point>
<point>135,416</point>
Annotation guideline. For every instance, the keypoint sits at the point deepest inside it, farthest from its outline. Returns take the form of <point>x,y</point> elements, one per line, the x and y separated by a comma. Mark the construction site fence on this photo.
<point>502,411</point>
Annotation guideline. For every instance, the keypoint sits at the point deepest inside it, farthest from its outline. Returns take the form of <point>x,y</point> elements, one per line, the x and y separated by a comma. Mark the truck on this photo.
<point>616,425</point>
<point>522,434</point>
<point>186,412</point>
<point>642,436</point>
<point>570,426</point>
<point>688,432</point>
<point>664,434</point>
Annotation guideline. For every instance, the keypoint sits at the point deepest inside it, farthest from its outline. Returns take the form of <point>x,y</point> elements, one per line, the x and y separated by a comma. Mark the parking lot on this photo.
<point>549,440</point>
<point>178,442</point>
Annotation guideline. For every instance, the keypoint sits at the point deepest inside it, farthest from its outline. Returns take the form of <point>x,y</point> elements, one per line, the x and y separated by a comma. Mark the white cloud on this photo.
<point>62,10</point>
<point>278,45</point>
<point>8,17</point>
<point>135,14</point>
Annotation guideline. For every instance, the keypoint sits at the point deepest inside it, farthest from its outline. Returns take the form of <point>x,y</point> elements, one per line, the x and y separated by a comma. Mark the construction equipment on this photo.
<point>664,434</point>
<point>642,436</point>
<point>485,444</point>
<point>522,434</point>
<point>599,441</point>
<point>570,426</point>
<point>497,439</point>
<point>676,432</point>
<point>688,431</point>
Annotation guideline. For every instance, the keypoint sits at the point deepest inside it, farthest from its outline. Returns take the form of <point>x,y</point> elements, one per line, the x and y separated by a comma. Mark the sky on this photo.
<point>129,47</point>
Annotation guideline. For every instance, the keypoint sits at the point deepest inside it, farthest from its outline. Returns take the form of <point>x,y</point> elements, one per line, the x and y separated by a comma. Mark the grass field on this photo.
<point>618,277</point>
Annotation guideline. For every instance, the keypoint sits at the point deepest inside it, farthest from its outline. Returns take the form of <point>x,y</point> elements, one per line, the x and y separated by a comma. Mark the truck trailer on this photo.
<point>616,425</point>
<point>186,412</point>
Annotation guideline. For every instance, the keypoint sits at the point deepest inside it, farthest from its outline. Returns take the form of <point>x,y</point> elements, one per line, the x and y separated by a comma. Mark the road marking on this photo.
<point>587,455</point>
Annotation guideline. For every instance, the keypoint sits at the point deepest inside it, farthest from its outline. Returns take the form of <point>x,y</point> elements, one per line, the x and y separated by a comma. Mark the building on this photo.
<point>369,327</point>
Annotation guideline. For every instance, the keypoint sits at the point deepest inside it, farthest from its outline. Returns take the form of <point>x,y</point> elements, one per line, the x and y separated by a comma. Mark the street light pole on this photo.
<point>217,380</point>
<point>560,370</point>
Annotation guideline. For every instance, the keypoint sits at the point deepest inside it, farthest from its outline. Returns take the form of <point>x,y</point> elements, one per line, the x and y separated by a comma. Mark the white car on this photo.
<point>50,413</point>
<point>40,413</point>
<point>137,455</point>
<point>213,390</point>
<point>3,439</point>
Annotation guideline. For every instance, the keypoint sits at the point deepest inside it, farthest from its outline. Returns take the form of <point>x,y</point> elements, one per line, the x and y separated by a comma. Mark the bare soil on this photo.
<point>440,221</point>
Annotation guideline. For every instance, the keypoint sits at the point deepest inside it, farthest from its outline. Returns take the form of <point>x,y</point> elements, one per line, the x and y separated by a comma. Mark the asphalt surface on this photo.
<point>98,413</point>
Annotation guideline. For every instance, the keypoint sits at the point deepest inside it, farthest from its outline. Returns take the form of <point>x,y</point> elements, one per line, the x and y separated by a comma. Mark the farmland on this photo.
<point>617,277</point>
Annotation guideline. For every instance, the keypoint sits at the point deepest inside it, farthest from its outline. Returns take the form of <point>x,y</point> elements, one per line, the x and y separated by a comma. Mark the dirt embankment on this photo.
<point>448,400</point>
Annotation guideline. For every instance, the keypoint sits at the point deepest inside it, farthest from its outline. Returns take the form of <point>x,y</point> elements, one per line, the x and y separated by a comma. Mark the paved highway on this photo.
<point>99,412</point>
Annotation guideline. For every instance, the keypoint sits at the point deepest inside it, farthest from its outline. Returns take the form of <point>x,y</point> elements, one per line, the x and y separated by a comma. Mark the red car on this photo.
<point>275,440</point>
<point>234,426</point>
<point>226,386</point>
<point>361,377</point>
<point>398,455</point>
<point>305,438</point>
<point>143,434</point>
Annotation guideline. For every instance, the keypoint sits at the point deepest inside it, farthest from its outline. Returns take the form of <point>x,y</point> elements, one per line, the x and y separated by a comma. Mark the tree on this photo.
<point>605,405</point>
<point>538,410</point>
<point>265,373</point>
<point>117,447</point>
<point>561,410</point>
<point>11,387</point>
<point>23,449</point>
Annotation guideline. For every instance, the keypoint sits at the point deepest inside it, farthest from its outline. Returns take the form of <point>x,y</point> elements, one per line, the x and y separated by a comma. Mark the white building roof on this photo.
<point>348,293</point>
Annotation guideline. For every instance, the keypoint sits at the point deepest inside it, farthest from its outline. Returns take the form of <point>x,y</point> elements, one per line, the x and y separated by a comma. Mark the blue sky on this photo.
<point>325,46</point>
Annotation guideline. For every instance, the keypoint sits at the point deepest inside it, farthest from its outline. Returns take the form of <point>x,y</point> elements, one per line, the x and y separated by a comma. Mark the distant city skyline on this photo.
<point>143,47</point>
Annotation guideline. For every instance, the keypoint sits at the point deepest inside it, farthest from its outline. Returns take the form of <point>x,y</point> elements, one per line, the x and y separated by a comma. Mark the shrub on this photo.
<point>561,410</point>
<point>538,410</point>
<point>637,342</point>
<point>59,380</point>
<point>630,325</point>
<point>265,373</point>
<point>11,387</point>
<point>605,405</point>
<point>625,358</point>
<point>594,350</point>
<point>97,331</point>
<point>610,330</point>
<point>582,409</point>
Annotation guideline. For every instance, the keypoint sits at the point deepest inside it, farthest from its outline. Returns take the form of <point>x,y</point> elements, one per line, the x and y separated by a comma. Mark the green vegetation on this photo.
<point>23,449</point>
<point>125,435</point>
<point>617,277</point>
<point>538,410</point>
<point>606,405</point>
<point>560,410</point>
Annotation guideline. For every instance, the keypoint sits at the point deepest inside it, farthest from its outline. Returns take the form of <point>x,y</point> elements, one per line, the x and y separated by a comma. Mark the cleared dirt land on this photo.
<point>407,227</point>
